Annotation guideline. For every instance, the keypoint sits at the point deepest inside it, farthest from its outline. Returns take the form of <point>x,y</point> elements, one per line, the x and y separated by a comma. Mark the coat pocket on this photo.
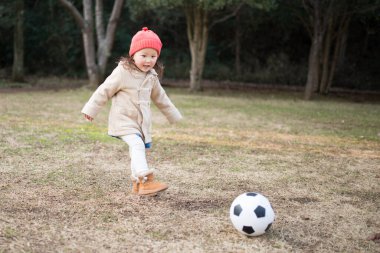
<point>131,113</point>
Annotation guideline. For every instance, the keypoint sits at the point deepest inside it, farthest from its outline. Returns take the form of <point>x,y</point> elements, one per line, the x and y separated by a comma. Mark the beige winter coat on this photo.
<point>131,92</point>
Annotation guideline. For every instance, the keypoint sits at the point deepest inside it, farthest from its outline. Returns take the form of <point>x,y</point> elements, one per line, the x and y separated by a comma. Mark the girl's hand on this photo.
<point>89,118</point>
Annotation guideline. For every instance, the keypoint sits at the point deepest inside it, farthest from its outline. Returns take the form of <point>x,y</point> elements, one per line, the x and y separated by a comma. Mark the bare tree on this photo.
<point>327,23</point>
<point>201,16</point>
<point>18,43</point>
<point>333,47</point>
<point>96,58</point>
<point>198,27</point>
<point>197,34</point>
<point>317,19</point>
<point>238,34</point>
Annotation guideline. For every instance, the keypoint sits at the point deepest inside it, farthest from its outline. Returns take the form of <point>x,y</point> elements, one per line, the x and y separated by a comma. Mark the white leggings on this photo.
<point>136,145</point>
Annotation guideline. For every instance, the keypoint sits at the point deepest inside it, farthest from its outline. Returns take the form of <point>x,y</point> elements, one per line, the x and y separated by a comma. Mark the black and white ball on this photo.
<point>251,214</point>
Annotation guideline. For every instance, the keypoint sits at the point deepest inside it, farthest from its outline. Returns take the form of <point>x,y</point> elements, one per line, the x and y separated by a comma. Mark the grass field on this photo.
<point>64,184</point>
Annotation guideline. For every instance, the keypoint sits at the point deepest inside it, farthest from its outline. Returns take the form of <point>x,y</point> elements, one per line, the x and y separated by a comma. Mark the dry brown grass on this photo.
<point>64,184</point>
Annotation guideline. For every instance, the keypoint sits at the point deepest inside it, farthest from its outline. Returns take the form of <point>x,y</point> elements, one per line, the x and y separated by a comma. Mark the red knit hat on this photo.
<point>145,39</point>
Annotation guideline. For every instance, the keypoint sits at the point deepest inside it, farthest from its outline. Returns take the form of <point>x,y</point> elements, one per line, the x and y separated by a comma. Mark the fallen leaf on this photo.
<point>375,237</point>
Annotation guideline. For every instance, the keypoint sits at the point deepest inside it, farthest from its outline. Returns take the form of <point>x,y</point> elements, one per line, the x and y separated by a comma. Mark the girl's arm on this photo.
<point>164,104</point>
<point>103,93</point>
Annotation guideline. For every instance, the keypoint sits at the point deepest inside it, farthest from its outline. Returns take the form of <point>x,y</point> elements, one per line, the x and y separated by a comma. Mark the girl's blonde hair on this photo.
<point>128,62</point>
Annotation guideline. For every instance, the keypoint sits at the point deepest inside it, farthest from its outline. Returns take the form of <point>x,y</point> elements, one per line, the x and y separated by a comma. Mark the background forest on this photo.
<point>267,42</point>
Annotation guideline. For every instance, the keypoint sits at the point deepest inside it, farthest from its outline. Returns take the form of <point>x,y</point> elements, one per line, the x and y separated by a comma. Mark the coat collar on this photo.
<point>153,72</point>
<point>150,73</point>
<point>138,73</point>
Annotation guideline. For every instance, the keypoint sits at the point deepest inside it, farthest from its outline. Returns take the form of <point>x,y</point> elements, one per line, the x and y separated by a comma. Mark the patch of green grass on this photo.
<point>9,232</point>
<point>87,131</point>
<point>157,235</point>
<point>329,117</point>
<point>95,192</point>
<point>9,84</point>
<point>235,169</point>
<point>108,217</point>
<point>61,178</point>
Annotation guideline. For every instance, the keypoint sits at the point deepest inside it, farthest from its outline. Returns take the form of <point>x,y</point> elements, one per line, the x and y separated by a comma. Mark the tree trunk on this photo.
<point>89,44</point>
<point>326,57</point>
<point>18,43</point>
<point>106,39</point>
<point>313,70</point>
<point>343,40</point>
<point>197,32</point>
<point>314,55</point>
<point>238,45</point>
<point>339,46</point>
<point>96,60</point>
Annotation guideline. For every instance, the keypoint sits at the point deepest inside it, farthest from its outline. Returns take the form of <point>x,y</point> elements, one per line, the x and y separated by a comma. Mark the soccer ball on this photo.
<point>251,214</point>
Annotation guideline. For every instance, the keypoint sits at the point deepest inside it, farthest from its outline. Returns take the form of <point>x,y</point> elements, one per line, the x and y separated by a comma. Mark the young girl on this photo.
<point>131,86</point>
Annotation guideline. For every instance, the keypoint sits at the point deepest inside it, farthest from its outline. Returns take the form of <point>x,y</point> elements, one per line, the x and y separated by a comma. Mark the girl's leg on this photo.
<point>139,165</point>
<point>143,182</point>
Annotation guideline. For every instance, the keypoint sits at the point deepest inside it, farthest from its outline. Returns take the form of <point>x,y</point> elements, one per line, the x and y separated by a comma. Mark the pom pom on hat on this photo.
<point>145,39</point>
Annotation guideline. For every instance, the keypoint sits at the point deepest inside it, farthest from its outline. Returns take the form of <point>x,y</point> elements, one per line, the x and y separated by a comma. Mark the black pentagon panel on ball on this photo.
<point>260,212</point>
<point>268,227</point>
<point>252,194</point>
<point>248,229</point>
<point>237,210</point>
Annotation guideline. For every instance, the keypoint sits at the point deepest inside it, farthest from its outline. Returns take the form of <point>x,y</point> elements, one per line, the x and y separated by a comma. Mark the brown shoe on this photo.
<point>147,186</point>
<point>135,185</point>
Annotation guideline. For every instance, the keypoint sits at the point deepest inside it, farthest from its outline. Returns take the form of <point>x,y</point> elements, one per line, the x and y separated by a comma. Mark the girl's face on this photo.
<point>145,59</point>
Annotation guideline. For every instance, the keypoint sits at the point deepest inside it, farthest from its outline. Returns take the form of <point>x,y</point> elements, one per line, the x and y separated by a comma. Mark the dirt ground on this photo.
<point>64,184</point>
